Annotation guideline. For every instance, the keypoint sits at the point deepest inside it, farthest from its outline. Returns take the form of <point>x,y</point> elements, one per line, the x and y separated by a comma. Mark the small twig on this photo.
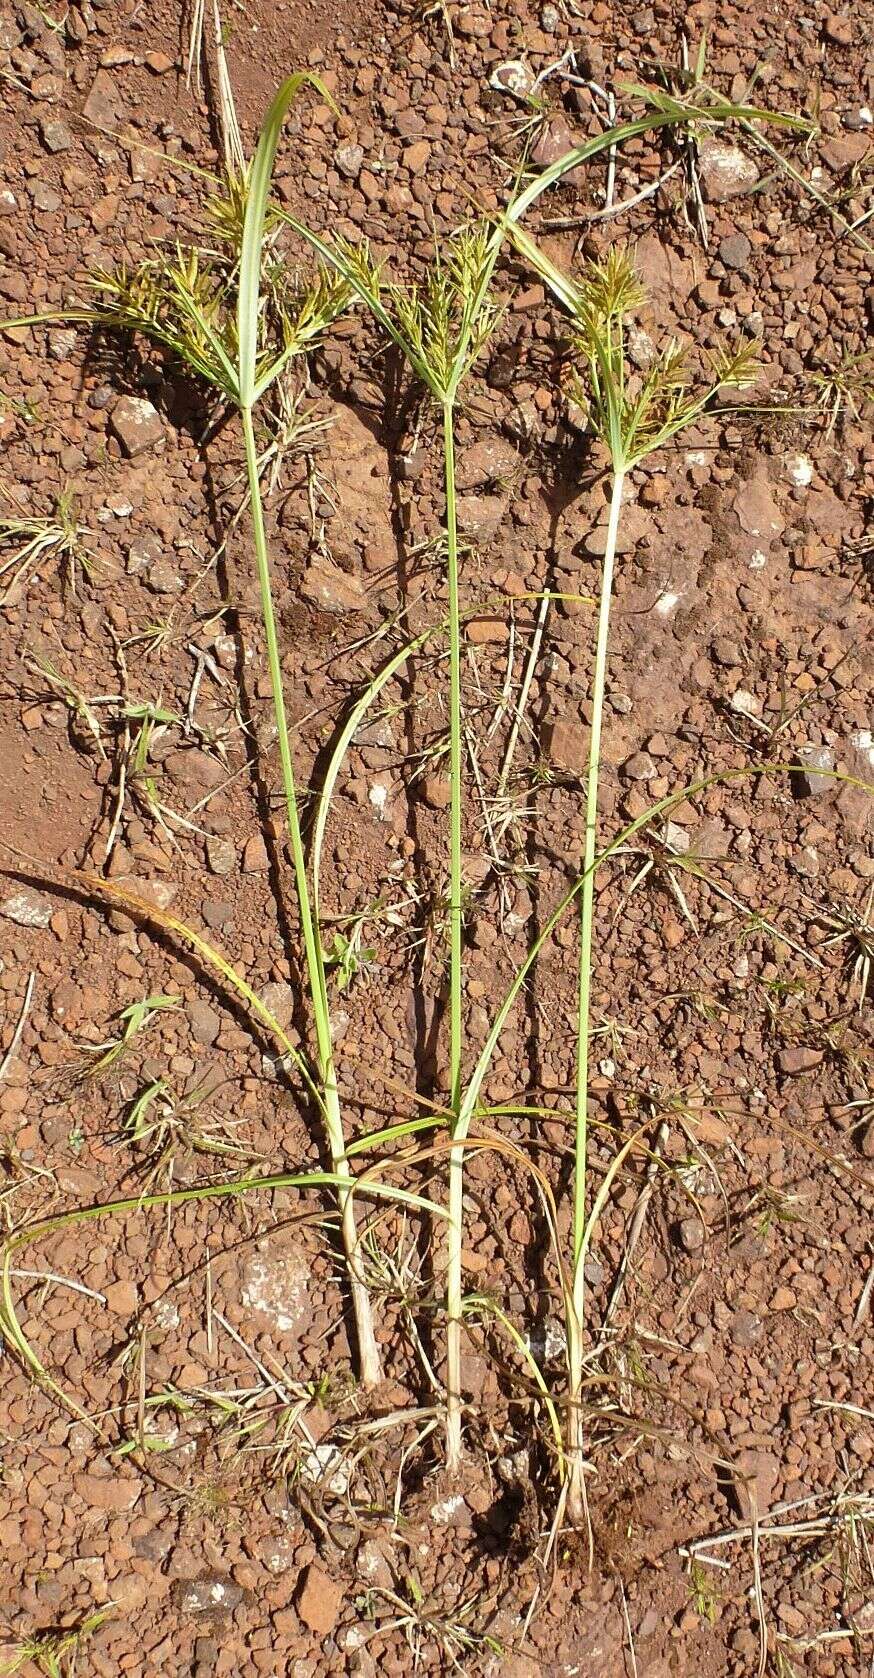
<point>209,1310</point>
<point>817,1526</point>
<point>507,686</point>
<point>611,155</point>
<point>548,1555</point>
<point>9,1056</point>
<point>62,1282</point>
<point>232,142</point>
<point>527,679</point>
<point>281,1392</point>
<point>757,1589</point>
<point>124,754</point>
<point>847,1409</point>
<point>773,931</point>
<point>203,661</point>
<point>567,57</point>
<point>195,46</point>
<point>141,1390</point>
<point>864,1301</point>
<point>627,1619</point>
<point>487,820</point>
<point>635,1227</point>
<point>565,224</point>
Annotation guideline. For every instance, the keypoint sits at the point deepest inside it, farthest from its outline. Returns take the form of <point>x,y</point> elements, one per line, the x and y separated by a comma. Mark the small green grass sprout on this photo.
<point>26,541</point>
<point>55,1651</point>
<point>134,1019</point>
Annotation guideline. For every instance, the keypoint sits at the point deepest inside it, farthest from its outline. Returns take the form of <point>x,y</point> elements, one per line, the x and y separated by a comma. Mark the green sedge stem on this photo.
<point>587,894</point>
<point>314,964</point>
<point>587,907</point>
<point>456,1157</point>
<point>368,1351</point>
<point>455,745</point>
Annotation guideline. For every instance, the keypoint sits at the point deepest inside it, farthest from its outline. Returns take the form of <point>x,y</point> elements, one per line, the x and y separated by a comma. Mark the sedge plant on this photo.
<point>236,319</point>
<point>242,354</point>
<point>632,415</point>
<point>237,325</point>
<point>440,327</point>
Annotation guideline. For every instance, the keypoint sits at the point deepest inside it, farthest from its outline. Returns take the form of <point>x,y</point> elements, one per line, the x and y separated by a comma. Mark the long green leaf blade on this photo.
<point>260,177</point>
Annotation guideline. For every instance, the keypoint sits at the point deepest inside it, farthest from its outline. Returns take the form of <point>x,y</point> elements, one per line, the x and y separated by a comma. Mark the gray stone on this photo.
<point>757,1475</point>
<point>745,704</point>
<point>566,745</point>
<point>838,28</point>
<point>143,553</point>
<point>332,590</point>
<point>727,652</point>
<point>163,578</point>
<point>209,1595</point>
<point>349,160</point>
<point>756,508</point>
<point>480,515</point>
<point>221,855</point>
<point>746,1328</point>
<point>514,77</point>
<point>278,996</point>
<point>158,892</point>
<point>62,344</point>
<point>691,1235</point>
<point>256,857</point>
<point>735,250</point>
<point>101,106</point>
<point>204,1022</point>
<point>816,758</point>
<point>794,1061</point>
<point>436,791</point>
<point>488,461</point>
<point>216,915</point>
<point>45,198</point>
<point>639,767</point>
<point>193,771</point>
<point>274,1287</point>
<point>137,425</point>
<point>56,135</point>
<point>595,541</point>
<point>555,140</point>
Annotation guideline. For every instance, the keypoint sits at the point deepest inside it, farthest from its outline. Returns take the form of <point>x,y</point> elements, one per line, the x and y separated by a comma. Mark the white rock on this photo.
<point>276,1287</point>
<point>725,170</point>
<point>800,469</point>
<point>26,908</point>
<point>746,704</point>
<point>448,1507</point>
<point>515,77</point>
<point>863,740</point>
<point>676,838</point>
<point>377,795</point>
<point>326,1466</point>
